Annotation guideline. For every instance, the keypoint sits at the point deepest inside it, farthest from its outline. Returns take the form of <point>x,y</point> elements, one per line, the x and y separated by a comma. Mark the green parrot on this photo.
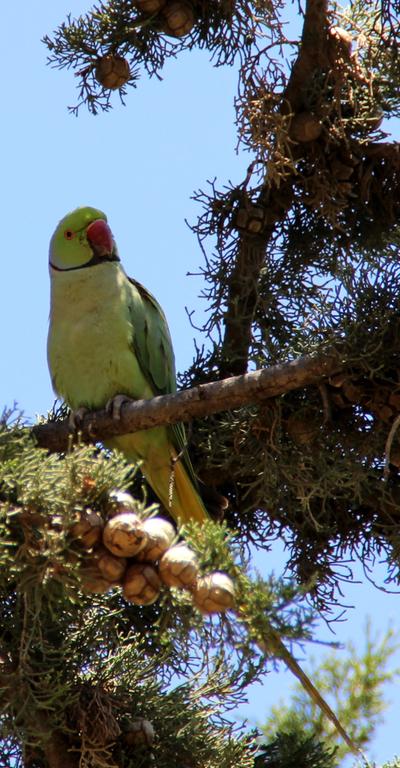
<point>109,341</point>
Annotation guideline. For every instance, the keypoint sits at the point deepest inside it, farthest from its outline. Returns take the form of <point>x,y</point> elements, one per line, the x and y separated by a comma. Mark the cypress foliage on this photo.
<point>88,679</point>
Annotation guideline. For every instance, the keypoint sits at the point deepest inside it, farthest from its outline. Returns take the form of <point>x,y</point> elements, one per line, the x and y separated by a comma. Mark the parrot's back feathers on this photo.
<point>151,340</point>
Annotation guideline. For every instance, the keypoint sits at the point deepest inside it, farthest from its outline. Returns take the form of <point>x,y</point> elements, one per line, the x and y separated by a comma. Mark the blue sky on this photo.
<point>140,164</point>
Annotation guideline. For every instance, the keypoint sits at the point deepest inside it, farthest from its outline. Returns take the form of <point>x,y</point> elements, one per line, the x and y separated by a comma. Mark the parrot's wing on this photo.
<point>153,348</point>
<point>152,341</point>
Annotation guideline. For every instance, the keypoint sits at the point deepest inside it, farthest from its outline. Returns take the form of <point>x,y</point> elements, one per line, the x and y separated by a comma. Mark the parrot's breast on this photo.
<point>91,337</point>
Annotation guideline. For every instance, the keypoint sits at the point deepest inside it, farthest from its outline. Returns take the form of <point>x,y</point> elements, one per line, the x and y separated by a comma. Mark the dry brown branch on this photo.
<point>196,402</point>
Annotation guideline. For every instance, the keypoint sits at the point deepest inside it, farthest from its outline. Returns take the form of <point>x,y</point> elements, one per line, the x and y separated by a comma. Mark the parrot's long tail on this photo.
<point>164,471</point>
<point>184,502</point>
<point>281,651</point>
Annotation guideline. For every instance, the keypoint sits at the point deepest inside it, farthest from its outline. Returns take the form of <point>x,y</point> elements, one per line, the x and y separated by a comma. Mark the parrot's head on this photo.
<point>82,239</point>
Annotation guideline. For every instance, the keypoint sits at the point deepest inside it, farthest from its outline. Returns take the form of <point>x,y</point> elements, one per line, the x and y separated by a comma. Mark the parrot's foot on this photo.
<point>75,418</point>
<point>114,405</point>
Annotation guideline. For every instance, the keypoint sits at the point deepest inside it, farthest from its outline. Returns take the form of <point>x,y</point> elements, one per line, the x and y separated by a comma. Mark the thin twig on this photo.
<point>388,446</point>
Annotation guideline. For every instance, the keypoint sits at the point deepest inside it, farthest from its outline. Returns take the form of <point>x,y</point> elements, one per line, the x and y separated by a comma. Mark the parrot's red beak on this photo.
<point>100,237</point>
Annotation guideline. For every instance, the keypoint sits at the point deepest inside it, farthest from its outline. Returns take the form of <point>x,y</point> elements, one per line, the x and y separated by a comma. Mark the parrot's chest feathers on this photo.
<point>91,337</point>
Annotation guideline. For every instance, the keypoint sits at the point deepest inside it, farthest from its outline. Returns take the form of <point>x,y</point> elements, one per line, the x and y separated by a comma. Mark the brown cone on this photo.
<point>177,18</point>
<point>112,72</point>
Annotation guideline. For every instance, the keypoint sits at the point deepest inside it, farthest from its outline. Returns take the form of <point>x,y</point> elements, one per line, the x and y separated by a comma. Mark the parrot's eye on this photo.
<point>69,234</point>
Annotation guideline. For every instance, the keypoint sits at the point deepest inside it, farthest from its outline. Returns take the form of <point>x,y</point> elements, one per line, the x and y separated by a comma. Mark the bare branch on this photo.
<point>196,402</point>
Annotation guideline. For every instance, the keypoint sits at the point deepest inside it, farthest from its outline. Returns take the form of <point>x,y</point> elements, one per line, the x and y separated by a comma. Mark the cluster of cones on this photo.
<point>142,556</point>
<point>173,17</point>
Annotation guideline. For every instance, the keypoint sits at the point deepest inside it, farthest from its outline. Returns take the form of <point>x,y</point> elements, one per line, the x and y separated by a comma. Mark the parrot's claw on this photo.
<point>75,418</point>
<point>114,405</point>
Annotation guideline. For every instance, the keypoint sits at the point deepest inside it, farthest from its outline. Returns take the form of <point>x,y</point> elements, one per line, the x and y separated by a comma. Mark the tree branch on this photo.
<point>57,752</point>
<point>312,55</point>
<point>242,303</point>
<point>275,198</point>
<point>196,402</point>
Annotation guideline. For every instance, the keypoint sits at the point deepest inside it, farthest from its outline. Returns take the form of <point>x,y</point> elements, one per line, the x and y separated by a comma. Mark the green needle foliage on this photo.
<point>77,668</point>
<point>293,749</point>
